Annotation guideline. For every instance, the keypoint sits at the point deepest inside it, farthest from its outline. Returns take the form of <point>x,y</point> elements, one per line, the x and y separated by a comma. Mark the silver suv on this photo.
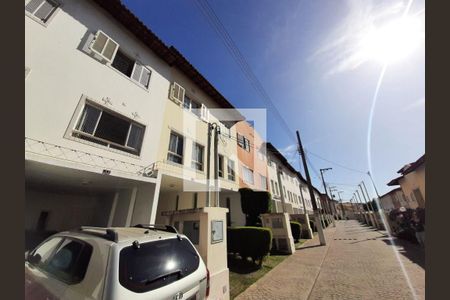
<point>141,262</point>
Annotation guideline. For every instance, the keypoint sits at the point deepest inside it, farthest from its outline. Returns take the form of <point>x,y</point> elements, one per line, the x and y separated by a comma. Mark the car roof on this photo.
<point>124,234</point>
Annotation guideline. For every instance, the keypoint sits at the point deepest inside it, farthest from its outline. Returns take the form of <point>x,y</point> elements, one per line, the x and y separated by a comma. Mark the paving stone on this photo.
<point>357,263</point>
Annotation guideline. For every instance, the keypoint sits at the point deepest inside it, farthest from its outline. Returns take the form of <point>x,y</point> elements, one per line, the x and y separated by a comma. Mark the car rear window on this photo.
<point>66,259</point>
<point>155,264</point>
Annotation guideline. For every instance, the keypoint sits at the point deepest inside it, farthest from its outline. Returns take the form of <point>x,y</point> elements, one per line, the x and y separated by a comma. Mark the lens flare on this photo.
<point>393,41</point>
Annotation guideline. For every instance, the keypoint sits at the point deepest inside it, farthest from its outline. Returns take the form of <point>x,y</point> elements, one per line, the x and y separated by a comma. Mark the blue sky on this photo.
<point>303,53</point>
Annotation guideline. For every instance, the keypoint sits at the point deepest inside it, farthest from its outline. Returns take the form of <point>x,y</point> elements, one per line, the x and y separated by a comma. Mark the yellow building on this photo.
<point>412,183</point>
<point>193,105</point>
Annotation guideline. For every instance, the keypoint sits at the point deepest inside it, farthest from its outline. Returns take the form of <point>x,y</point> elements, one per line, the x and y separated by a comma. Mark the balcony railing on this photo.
<point>84,158</point>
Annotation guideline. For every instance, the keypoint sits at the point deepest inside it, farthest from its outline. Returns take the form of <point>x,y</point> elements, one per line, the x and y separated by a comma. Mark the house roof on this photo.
<point>168,54</point>
<point>395,181</point>
<point>271,148</point>
<point>391,191</point>
<point>408,168</point>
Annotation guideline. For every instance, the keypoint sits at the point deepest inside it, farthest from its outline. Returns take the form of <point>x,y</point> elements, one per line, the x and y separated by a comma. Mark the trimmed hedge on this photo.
<point>247,241</point>
<point>253,204</point>
<point>296,229</point>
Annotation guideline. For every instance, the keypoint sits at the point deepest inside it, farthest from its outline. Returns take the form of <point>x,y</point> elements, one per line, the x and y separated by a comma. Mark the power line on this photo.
<point>215,22</point>
<point>236,54</point>
<point>344,184</point>
<point>335,163</point>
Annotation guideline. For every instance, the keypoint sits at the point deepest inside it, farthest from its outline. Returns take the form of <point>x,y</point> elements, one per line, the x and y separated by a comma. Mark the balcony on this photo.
<point>104,164</point>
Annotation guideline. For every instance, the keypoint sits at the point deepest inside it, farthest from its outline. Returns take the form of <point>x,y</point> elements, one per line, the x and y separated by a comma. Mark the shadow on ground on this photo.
<point>412,251</point>
<point>246,266</point>
<point>241,266</point>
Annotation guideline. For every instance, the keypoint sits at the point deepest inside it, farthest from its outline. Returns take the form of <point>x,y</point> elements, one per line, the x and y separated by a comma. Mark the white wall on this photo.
<point>61,73</point>
<point>66,210</point>
<point>290,182</point>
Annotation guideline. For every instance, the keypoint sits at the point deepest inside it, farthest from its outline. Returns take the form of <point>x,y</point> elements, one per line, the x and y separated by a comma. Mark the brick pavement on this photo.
<point>358,262</point>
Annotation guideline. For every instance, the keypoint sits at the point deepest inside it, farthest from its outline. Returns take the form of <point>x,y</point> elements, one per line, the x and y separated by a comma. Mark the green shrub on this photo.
<point>253,242</point>
<point>253,204</point>
<point>296,229</point>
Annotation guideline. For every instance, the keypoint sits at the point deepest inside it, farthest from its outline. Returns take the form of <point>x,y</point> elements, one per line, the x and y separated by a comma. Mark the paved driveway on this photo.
<point>358,262</point>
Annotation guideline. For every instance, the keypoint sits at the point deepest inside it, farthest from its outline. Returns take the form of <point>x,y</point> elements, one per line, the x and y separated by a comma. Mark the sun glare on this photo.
<point>393,41</point>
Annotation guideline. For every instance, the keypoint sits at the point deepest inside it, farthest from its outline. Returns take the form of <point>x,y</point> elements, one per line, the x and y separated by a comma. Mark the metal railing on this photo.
<point>85,158</point>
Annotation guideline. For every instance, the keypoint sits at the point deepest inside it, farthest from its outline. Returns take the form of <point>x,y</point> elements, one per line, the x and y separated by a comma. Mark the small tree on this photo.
<point>253,204</point>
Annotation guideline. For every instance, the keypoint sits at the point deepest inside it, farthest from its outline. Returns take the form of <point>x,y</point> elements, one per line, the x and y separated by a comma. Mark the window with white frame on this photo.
<point>231,170</point>
<point>221,165</point>
<point>131,68</point>
<point>109,50</point>
<point>263,182</point>
<point>175,153</point>
<point>197,156</point>
<point>110,129</point>
<point>247,175</point>
<point>276,189</point>
<point>272,184</point>
<point>41,9</point>
<point>104,46</point>
<point>192,106</point>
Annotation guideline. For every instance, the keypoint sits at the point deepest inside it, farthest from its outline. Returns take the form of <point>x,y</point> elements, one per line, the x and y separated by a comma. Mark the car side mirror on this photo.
<point>27,253</point>
<point>34,259</point>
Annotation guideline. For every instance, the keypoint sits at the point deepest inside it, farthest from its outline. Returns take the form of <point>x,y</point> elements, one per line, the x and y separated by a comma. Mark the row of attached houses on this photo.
<point>411,190</point>
<point>117,127</point>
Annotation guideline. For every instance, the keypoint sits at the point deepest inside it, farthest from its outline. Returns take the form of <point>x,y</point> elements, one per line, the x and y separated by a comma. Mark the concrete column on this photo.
<point>113,209</point>
<point>155,199</point>
<point>280,225</point>
<point>131,206</point>
<point>281,190</point>
<point>306,216</point>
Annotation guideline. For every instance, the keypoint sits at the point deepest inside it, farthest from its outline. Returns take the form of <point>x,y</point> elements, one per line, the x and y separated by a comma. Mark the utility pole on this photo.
<point>333,204</point>
<point>380,208</point>
<point>211,127</point>
<point>344,215</point>
<point>371,211</point>
<point>216,163</point>
<point>368,221</point>
<point>361,209</point>
<point>311,192</point>
<point>354,208</point>
<point>327,206</point>
<point>208,166</point>
<point>308,226</point>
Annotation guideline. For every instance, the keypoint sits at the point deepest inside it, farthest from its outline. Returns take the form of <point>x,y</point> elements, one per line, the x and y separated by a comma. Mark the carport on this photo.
<point>61,198</point>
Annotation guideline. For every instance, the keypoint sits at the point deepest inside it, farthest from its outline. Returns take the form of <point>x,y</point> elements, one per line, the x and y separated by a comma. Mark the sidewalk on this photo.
<point>358,262</point>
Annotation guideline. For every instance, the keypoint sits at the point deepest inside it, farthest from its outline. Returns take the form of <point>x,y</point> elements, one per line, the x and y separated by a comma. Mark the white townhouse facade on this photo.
<point>116,121</point>
<point>181,167</point>
<point>284,184</point>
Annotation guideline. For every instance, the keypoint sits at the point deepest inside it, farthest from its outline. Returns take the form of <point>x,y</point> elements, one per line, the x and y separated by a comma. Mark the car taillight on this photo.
<point>207,283</point>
